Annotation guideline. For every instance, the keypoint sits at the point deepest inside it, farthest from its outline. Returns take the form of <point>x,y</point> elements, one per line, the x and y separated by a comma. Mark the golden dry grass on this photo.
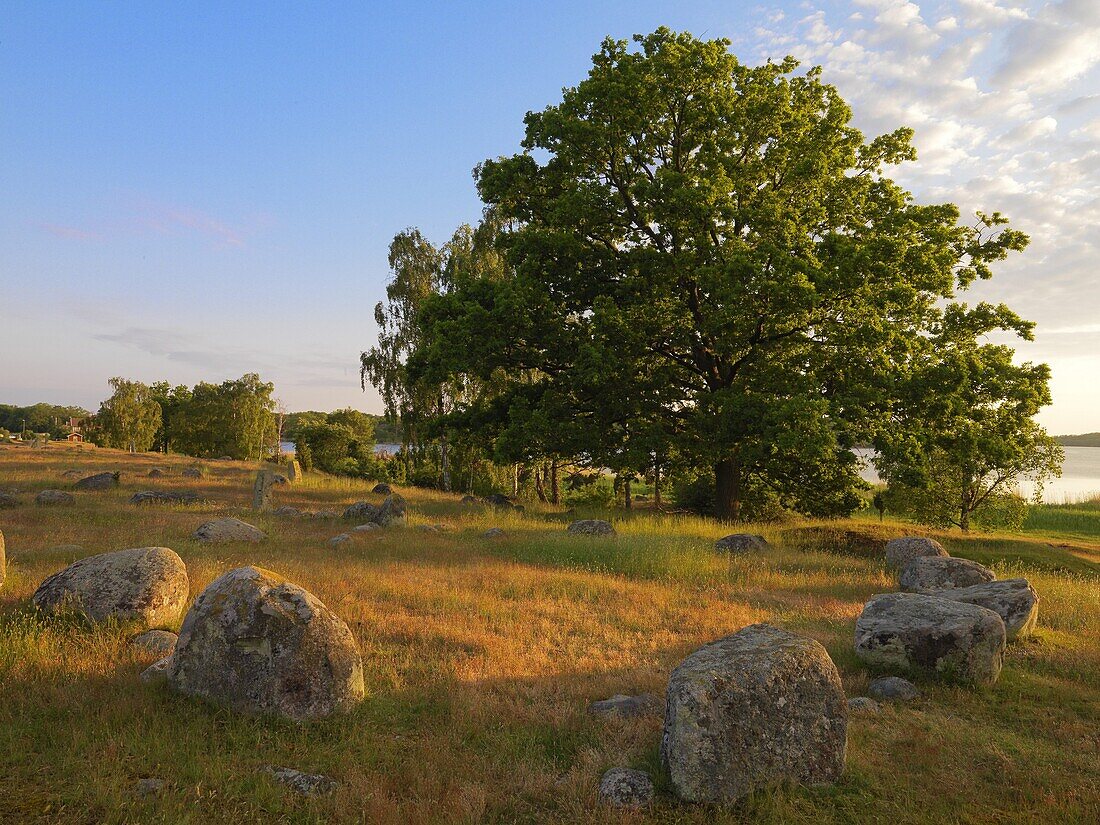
<point>481,656</point>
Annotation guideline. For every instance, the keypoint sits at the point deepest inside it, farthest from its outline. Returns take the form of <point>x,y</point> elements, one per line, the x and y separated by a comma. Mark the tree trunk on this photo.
<point>446,462</point>
<point>538,485</point>
<point>657,485</point>
<point>626,494</point>
<point>515,480</point>
<point>727,490</point>
<point>555,498</point>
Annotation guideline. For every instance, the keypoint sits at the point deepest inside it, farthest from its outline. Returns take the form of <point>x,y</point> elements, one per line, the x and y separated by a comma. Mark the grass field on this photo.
<point>481,655</point>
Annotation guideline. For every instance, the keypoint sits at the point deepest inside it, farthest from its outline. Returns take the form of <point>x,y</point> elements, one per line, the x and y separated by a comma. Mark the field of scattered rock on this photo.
<point>352,654</point>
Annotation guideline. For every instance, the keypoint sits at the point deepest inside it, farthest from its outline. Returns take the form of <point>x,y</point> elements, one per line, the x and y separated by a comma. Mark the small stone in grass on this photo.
<point>307,784</point>
<point>336,541</point>
<point>892,689</point>
<point>149,786</point>
<point>862,704</point>
<point>626,788</point>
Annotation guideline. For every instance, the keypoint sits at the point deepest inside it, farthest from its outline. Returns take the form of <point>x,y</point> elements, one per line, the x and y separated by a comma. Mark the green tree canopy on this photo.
<point>963,435</point>
<point>708,255</point>
<point>131,417</point>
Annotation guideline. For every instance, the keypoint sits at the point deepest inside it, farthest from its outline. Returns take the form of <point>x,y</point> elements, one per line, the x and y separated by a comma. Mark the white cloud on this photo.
<point>1002,98</point>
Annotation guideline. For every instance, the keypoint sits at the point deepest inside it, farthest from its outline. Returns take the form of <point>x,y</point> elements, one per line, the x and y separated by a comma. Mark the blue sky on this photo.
<point>193,191</point>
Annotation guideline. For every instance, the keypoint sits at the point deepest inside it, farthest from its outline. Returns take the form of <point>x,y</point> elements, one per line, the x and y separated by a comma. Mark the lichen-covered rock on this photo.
<point>146,586</point>
<point>256,643</point>
<point>892,689</point>
<point>149,786</point>
<point>392,510</point>
<point>933,635</point>
<point>365,528</point>
<point>361,511</point>
<point>862,704</point>
<point>740,543</point>
<point>626,706</point>
<point>1014,600</point>
<point>307,784</point>
<point>155,643</point>
<point>287,510</point>
<point>48,498</point>
<point>928,573</point>
<point>164,497</point>
<point>382,489</point>
<point>626,788</point>
<point>756,708</point>
<point>899,552</point>
<point>100,481</point>
<point>156,673</point>
<point>157,472</point>
<point>493,533</point>
<point>224,530</point>
<point>192,472</point>
<point>591,527</point>
<point>337,540</point>
<point>8,501</point>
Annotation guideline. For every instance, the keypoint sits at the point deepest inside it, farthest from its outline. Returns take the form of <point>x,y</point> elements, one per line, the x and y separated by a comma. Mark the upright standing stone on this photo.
<point>261,491</point>
<point>293,471</point>
<point>754,709</point>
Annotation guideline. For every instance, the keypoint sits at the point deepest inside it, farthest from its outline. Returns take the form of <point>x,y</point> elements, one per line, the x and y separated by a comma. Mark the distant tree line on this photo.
<point>234,418</point>
<point>697,271</point>
<point>39,418</point>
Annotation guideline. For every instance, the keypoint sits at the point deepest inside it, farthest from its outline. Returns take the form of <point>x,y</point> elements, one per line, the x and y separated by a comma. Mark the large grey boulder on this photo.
<point>626,788</point>
<point>930,573</point>
<point>392,510</point>
<point>48,498</point>
<point>740,543</point>
<point>754,709</point>
<point>224,530</point>
<point>899,552</point>
<point>591,527</point>
<point>1014,600</point>
<point>146,586</point>
<point>933,635</point>
<point>100,481</point>
<point>256,643</point>
<point>361,511</point>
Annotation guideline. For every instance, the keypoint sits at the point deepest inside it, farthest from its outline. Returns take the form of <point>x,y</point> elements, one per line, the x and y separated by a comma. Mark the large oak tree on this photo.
<point>707,254</point>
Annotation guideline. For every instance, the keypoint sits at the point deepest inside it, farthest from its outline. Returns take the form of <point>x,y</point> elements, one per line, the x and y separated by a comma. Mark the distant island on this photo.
<point>1083,440</point>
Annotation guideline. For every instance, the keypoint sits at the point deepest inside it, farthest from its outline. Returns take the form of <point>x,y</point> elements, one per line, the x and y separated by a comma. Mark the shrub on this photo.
<point>598,494</point>
<point>304,454</point>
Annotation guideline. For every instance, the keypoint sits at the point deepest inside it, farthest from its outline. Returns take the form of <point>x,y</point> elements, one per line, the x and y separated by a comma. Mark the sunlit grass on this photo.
<point>481,655</point>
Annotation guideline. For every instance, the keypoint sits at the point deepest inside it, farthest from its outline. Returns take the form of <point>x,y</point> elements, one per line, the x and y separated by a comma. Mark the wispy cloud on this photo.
<point>70,233</point>
<point>144,216</point>
<point>169,219</point>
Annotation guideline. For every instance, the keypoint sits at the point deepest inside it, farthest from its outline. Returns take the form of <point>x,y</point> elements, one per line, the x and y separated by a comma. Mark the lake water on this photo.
<point>1080,476</point>
<point>288,447</point>
<point>1080,472</point>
